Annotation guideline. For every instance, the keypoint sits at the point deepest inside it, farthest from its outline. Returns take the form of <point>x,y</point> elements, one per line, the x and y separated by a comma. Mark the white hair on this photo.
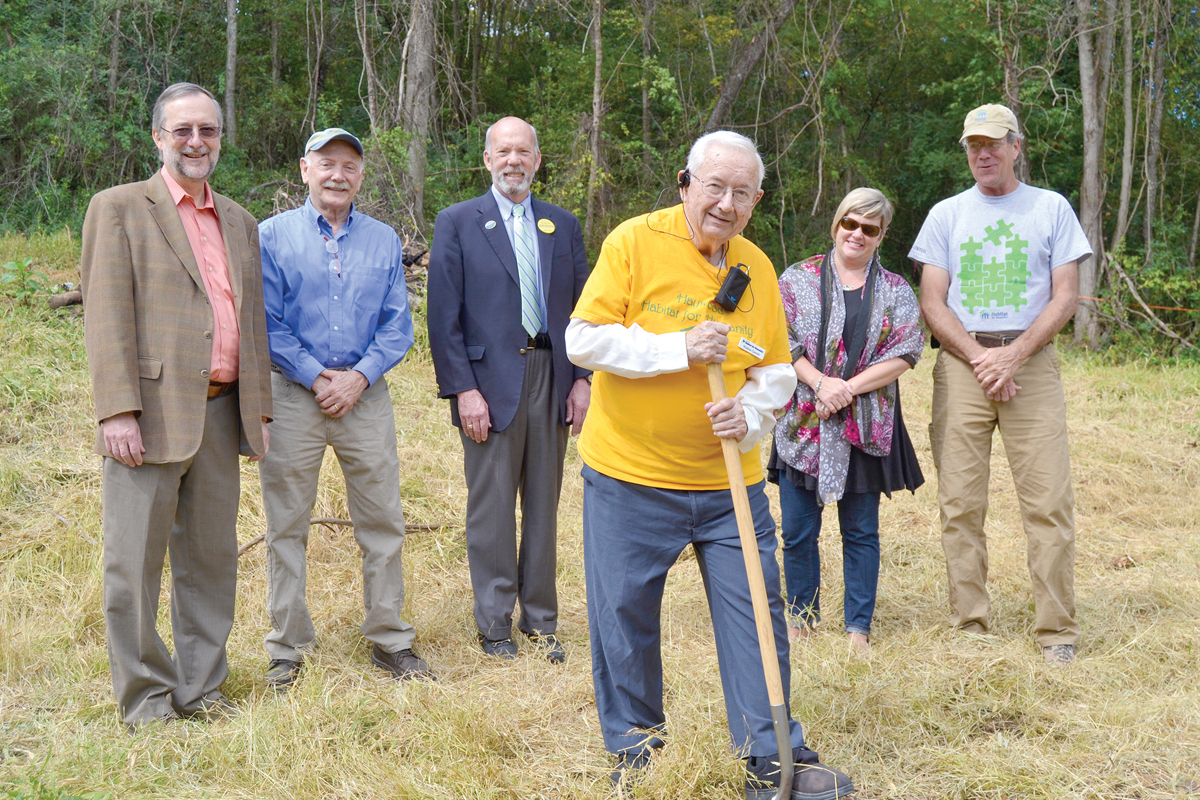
<point>729,139</point>
<point>487,137</point>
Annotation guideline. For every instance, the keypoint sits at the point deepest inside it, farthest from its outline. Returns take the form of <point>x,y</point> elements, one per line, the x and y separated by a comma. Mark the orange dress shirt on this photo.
<point>208,247</point>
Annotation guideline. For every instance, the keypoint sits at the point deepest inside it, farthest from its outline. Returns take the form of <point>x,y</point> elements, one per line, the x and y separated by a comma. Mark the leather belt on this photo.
<point>541,341</point>
<point>996,338</point>
<point>216,389</point>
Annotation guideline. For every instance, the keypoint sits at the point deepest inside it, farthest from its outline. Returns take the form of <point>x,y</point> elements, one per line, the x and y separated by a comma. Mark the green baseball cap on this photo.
<point>322,138</point>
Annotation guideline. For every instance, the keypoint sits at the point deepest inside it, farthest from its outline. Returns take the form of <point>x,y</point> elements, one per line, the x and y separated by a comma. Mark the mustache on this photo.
<point>195,151</point>
<point>334,184</point>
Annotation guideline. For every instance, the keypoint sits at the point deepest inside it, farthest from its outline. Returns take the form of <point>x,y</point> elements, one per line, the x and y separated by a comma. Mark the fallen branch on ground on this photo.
<point>329,522</point>
<point>71,298</point>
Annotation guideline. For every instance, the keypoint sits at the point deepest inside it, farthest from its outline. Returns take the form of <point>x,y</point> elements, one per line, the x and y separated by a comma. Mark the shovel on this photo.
<point>758,593</point>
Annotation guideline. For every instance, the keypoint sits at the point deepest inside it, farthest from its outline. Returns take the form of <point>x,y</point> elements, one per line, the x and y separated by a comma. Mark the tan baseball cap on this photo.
<point>992,121</point>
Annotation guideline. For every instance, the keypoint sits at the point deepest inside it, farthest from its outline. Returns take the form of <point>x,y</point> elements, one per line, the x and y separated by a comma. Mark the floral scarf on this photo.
<point>888,327</point>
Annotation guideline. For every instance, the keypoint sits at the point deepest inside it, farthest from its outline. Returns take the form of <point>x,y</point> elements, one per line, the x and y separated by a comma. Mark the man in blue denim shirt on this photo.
<point>337,320</point>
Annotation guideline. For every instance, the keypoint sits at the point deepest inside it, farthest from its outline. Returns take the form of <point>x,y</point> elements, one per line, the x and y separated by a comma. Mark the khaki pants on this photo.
<point>364,441</point>
<point>1034,428</point>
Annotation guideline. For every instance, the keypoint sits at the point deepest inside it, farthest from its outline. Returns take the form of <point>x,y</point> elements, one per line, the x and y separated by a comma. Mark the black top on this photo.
<point>894,472</point>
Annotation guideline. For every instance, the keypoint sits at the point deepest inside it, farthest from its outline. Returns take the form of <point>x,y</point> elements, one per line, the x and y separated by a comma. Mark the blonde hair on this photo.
<point>867,202</point>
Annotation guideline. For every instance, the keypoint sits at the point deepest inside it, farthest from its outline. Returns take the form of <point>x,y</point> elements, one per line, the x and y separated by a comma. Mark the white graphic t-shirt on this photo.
<point>999,252</point>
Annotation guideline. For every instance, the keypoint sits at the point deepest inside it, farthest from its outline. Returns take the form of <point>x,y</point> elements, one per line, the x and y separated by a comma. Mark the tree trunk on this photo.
<point>749,59</point>
<point>1127,141</point>
<point>1154,135</point>
<point>477,16</point>
<point>114,59</point>
<point>363,24</point>
<point>1009,46</point>
<point>1195,235</point>
<point>1093,84</point>
<point>231,47</point>
<point>418,102</point>
<point>647,21</point>
<point>276,55</point>
<point>597,114</point>
<point>314,18</point>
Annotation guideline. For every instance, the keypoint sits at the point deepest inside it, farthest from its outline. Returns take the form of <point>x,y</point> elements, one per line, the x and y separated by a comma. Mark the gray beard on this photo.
<point>184,167</point>
<point>508,187</point>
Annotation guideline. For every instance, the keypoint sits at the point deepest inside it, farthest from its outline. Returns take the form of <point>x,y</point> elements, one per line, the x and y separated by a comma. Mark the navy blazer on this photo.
<point>474,304</point>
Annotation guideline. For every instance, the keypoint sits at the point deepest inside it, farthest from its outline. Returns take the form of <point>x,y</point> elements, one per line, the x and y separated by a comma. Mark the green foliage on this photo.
<point>869,92</point>
<point>21,281</point>
<point>35,789</point>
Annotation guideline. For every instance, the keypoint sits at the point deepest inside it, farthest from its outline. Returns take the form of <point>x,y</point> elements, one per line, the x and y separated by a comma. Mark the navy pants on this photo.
<point>632,535</point>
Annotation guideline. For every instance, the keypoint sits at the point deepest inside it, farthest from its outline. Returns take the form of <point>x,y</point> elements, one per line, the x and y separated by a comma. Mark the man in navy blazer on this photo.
<point>505,271</point>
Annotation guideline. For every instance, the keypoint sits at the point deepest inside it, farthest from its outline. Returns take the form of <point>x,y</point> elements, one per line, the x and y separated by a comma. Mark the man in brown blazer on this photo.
<point>177,347</point>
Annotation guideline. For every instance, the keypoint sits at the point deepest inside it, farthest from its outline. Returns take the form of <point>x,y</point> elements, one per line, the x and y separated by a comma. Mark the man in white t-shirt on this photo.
<point>1000,278</point>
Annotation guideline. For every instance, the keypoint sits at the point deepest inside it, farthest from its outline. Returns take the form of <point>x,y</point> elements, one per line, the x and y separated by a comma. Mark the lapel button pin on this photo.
<point>491,223</point>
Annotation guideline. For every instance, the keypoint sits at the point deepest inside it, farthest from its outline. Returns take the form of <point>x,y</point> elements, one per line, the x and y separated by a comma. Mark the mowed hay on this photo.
<point>932,714</point>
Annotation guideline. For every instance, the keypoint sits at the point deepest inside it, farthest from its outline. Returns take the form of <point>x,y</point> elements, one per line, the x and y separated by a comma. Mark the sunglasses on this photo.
<point>184,134</point>
<point>852,225</point>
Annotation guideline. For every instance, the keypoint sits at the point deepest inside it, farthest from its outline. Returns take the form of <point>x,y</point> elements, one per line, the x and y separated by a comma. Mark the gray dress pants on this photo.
<point>188,509</point>
<point>525,459</point>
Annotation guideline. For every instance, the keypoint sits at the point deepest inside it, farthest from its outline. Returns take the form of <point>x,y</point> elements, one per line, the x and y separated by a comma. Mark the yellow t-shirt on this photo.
<point>654,431</point>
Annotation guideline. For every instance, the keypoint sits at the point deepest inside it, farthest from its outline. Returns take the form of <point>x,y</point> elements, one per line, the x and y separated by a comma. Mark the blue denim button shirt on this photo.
<point>319,319</point>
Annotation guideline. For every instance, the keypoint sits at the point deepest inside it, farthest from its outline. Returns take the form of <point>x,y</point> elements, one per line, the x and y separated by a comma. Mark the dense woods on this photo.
<point>838,93</point>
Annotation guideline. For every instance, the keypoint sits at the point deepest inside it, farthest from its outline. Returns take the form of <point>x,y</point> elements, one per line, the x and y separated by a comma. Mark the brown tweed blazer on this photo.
<point>148,323</point>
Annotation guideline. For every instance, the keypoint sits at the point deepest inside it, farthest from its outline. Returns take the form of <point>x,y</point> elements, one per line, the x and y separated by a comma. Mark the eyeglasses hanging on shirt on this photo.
<point>331,246</point>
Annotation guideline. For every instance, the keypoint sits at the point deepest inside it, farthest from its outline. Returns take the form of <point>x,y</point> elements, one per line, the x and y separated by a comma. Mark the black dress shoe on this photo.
<point>812,780</point>
<point>404,665</point>
<point>504,649</point>
<point>550,647</point>
<point>282,673</point>
<point>629,771</point>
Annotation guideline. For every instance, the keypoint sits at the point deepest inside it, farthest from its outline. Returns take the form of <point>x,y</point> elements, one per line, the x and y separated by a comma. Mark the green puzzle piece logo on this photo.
<point>994,283</point>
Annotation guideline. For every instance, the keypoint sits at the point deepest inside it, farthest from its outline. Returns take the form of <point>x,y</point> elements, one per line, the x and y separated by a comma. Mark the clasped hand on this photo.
<point>835,395</point>
<point>337,391</point>
<point>995,369</point>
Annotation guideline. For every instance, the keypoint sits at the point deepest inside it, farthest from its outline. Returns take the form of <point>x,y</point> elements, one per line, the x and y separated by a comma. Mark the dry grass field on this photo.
<point>933,714</point>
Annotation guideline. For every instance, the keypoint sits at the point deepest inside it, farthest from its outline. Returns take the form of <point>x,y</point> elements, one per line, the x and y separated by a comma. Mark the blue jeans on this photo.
<point>632,535</point>
<point>858,515</point>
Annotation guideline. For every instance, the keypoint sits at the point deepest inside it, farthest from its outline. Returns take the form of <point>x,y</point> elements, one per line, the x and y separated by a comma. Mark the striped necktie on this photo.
<point>531,308</point>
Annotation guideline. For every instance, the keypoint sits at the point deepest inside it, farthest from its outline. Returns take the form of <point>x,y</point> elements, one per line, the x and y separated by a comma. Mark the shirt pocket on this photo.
<point>371,288</point>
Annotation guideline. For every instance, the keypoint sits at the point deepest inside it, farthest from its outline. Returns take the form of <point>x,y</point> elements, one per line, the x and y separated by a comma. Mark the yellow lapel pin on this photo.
<point>545,225</point>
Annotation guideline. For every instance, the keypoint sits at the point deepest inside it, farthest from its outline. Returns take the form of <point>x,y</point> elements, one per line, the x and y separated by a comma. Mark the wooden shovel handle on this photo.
<point>754,572</point>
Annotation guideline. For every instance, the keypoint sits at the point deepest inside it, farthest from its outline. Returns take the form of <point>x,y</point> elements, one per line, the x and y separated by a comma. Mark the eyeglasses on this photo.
<point>716,190</point>
<point>184,134</point>
<point>988,144</point>
<point>852,225</point>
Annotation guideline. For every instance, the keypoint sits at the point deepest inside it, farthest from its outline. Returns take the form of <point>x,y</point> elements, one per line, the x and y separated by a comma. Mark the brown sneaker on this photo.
<point>812,779</point>
<point>404,665</point>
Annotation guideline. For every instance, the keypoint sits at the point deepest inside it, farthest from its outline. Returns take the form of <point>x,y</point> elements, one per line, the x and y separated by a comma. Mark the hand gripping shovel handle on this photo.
<point>758,593</point>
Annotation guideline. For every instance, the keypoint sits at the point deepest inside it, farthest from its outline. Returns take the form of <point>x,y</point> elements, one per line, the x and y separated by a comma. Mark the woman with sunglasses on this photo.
<point>853,328</point>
